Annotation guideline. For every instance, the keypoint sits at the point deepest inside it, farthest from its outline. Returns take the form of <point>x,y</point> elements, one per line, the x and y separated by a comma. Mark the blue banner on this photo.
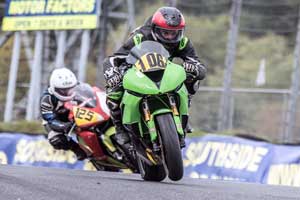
<point>50,14</point>
<point>21,149</point>
<point>285,166</point>
<point>233,158</point>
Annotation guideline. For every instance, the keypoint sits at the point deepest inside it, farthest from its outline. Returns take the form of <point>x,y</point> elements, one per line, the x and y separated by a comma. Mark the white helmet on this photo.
<point>62,82</point>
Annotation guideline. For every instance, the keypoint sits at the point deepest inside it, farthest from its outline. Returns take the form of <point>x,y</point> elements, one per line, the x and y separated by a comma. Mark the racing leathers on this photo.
<point>114,64</point>
<point>56,123</point>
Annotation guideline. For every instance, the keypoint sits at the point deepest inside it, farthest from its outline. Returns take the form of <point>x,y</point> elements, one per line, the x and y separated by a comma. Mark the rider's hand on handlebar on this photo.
<point>190,77</point>
<point>194,70</point>
<point>113,77</point>
<point>78,129</point>
<point>67,126</point>
<point>123,68</point>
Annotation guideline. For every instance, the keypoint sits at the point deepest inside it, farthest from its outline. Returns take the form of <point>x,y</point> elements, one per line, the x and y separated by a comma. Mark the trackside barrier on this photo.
<point>35,150</point>
<point>210,156</point>
<point>234,158</point>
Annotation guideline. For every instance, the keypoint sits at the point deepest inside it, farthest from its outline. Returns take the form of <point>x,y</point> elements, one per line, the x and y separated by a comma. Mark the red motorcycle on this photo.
<point>95,131</point>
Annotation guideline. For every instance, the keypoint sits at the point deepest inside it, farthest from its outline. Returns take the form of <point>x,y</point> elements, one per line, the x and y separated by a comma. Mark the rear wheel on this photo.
<point>171,147</point>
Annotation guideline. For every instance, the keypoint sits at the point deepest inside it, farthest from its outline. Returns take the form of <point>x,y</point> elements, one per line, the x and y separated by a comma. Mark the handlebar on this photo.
<point>191,77</point>
<point>123,68</point>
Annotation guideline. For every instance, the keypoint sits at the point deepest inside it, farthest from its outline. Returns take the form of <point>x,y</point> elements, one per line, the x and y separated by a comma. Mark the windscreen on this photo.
<point>148,56</point>
<point>84,95</point>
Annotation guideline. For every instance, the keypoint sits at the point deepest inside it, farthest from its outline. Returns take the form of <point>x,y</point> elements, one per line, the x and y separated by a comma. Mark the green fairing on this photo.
<point>174,75</point>
<point>161,111</point>
<point>183,94</point>
<point>178,125</point>
<point>131,113</point>
<point>141,84</point>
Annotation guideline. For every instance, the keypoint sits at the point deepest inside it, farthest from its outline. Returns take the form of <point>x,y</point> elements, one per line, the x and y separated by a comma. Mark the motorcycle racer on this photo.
<point>166,26</point>
<point>54,115</point>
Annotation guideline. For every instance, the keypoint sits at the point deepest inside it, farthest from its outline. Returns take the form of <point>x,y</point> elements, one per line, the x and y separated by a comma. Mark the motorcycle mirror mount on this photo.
<point>70,132</point>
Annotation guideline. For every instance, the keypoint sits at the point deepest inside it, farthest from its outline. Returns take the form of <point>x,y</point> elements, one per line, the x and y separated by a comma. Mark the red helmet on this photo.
<point>168,25</point>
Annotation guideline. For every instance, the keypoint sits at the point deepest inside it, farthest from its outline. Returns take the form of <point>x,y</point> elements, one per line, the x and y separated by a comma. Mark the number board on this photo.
<point>151,61</point>
<point>84,116</point>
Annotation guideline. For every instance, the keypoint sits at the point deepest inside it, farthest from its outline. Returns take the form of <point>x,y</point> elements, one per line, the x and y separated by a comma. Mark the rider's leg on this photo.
<point>192,87</point>
<point>189,128</point>
<point>113,102</point>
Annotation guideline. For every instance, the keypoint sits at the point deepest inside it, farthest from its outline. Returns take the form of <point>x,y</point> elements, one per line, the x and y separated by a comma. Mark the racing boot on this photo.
<point>184,126</point>
<point>121,135</point>
<point>117,155</point>
<point>188,127</point>
<point>77,150</point>
<point>182,141</point>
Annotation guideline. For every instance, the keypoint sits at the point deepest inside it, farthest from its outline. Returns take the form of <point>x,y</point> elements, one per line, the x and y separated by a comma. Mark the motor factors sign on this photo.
<point>50,14</point>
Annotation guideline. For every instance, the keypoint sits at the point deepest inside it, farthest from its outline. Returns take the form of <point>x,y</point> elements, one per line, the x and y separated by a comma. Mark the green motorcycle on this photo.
<point>154,106</point>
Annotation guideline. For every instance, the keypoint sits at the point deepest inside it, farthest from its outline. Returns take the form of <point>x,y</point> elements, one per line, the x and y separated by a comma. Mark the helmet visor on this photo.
<point>168,36</point>
<point>65,92</point>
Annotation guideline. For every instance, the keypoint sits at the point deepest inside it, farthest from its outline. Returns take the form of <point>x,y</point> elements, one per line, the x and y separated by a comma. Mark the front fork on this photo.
<point>176,115</point>
<point>151,124</point>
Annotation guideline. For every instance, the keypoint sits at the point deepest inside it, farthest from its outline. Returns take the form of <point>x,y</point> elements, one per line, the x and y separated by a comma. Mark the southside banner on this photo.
<point>35,150</point>
<point>50,14</point>
<point>234,158</point>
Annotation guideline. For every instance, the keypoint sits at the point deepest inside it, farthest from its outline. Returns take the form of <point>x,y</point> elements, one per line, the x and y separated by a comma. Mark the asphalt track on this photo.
<point>41,183</point>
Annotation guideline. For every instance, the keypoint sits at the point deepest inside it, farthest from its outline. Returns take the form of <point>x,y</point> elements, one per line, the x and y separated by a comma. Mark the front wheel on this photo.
<point>170,145</point>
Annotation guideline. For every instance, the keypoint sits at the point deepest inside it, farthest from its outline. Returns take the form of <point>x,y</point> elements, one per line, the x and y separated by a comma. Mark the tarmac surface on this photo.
<point>41,183</point>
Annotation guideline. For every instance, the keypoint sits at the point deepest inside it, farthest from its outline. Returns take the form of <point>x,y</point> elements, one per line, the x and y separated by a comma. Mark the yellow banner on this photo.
<point>49,22</point>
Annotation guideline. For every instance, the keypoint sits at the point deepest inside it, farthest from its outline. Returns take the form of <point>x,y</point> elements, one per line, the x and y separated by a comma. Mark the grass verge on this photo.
<point>30,127</point>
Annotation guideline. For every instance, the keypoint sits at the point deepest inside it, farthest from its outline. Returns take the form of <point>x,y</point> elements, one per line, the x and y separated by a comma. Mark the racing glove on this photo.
<point>113,77</point>
<point>196,69</point>
<point>59,126</point>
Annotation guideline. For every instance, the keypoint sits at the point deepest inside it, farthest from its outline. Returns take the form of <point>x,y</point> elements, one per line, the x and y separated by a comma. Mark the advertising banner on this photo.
<point>30,150</point>
<point>50,14</point>
<point>285,166</point>
<point>234,158</point>
<point>210,157</point>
